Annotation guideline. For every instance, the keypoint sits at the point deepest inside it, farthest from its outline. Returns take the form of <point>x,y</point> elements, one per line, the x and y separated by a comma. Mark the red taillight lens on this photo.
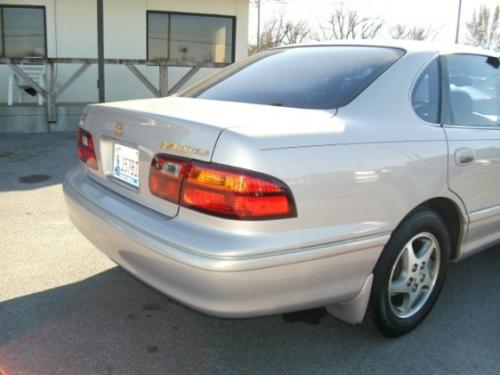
<point>166,176</point>
<point>220,190</point>
<point>85,148</point>
<point>237,194</point>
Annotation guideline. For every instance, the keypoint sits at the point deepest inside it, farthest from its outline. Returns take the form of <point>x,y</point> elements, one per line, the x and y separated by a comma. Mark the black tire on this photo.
<point>381,311</point>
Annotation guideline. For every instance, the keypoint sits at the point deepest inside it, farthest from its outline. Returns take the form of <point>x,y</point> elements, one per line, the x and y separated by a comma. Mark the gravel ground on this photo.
<point>66,309</point>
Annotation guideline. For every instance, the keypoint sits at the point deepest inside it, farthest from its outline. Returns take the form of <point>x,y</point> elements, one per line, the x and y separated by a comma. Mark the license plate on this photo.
<point>126,164</point>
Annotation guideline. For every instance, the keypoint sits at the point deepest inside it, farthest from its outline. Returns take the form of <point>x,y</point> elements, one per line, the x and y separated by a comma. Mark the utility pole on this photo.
<point>457,35</point>
<point>100,51</point>
<point>258,25</point>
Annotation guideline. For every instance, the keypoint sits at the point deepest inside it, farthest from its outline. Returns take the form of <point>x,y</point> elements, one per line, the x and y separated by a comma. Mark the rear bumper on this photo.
<point>151,247</point>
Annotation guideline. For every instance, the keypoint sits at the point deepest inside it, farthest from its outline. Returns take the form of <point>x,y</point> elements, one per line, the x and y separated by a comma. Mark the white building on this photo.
<point>182,32</point>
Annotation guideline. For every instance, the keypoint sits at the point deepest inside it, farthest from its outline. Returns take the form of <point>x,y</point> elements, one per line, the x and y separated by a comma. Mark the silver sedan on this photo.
<point>339,175</point>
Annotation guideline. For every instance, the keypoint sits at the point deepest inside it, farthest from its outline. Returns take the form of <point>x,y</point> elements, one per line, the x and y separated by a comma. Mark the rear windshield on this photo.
<point>320,77</point>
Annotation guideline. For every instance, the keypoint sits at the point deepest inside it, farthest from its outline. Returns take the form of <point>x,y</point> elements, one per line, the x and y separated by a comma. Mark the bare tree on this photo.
<point>278,32</point>
<point>412,33</point>
<point>257,4</point>
<point>348,24</point>
<point>484,30</point>
<point>296,32</point>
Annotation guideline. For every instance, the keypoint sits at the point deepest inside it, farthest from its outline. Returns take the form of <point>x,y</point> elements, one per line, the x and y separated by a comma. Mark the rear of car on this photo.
<point>214,197</point>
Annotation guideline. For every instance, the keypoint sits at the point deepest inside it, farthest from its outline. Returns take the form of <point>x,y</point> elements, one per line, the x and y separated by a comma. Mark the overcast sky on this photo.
<point>440,14</point>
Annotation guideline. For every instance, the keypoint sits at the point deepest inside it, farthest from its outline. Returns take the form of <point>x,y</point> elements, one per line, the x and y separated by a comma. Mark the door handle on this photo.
<point>464,156</point>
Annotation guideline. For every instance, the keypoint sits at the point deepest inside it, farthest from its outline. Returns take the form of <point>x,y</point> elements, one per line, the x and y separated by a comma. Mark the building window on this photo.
<point>191,38</point>
<point>22,31</point>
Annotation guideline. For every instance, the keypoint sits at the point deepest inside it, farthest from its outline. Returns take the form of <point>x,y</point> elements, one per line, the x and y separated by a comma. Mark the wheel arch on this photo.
<point>454,218</point>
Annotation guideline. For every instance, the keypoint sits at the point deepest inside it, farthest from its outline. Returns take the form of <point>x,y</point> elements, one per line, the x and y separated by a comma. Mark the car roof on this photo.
<point>410,46</point>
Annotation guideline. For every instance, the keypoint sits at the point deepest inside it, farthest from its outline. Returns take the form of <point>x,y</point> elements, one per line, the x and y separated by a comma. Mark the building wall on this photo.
<point>72,32</point>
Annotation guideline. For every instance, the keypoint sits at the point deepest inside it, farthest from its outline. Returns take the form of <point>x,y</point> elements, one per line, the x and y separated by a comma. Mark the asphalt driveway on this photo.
<point>66,309</point>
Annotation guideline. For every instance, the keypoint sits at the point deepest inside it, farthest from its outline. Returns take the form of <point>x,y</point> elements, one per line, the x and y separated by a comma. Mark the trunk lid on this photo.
<point>183,127</point>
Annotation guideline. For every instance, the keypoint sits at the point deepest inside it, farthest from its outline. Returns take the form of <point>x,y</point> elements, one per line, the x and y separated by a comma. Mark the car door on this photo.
<point>471,88</point>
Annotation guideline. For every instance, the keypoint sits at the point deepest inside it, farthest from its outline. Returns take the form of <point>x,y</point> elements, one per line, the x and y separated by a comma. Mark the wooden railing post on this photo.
<point>51,93</point>
<point>163,80</point>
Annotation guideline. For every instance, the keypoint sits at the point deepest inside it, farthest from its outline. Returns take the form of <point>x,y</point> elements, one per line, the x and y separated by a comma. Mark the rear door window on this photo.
<point>319,77</point>
<point>474,88</point>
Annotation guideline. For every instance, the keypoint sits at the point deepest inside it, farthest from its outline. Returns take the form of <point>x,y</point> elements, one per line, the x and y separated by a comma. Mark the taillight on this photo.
<point>85,148</point>
<point>219,190</point>
<point>166,176</point>
<point>234,193</point>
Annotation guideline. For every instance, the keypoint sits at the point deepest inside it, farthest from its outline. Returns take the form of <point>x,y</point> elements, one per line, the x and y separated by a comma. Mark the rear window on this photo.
<point>323,77</point>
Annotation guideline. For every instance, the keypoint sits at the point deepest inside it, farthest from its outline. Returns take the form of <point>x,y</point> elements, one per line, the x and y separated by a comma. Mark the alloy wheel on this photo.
<point>413,275</point>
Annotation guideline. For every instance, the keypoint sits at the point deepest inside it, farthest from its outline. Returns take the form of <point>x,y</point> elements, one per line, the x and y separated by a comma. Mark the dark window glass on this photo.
<point>158,36</point>
<point>322,77</point>
<point>24,32</point>
<point>425,97</point>
<point>190,38</point>
<point>474,90</point>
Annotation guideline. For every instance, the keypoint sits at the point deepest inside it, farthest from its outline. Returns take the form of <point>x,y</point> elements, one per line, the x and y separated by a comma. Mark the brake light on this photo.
<point>220,190</point>
<point>85,148</point>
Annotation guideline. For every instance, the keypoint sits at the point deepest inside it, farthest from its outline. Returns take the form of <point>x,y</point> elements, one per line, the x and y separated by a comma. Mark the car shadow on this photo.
<point>32,161</point>
<point>113,324</point>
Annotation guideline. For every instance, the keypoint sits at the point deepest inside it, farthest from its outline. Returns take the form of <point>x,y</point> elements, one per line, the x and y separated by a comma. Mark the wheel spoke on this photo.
<point>409,258</point>
<point>399,286</point>
<point>410,300</point>
<point>427,283</point>
<point>426,253</point>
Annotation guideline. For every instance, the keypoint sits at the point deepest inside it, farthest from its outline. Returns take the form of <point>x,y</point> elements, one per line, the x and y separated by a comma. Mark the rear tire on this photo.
<point>409,274</point>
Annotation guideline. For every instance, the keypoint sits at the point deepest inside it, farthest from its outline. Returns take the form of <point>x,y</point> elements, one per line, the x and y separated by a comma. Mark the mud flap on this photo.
<point>353,312</point>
